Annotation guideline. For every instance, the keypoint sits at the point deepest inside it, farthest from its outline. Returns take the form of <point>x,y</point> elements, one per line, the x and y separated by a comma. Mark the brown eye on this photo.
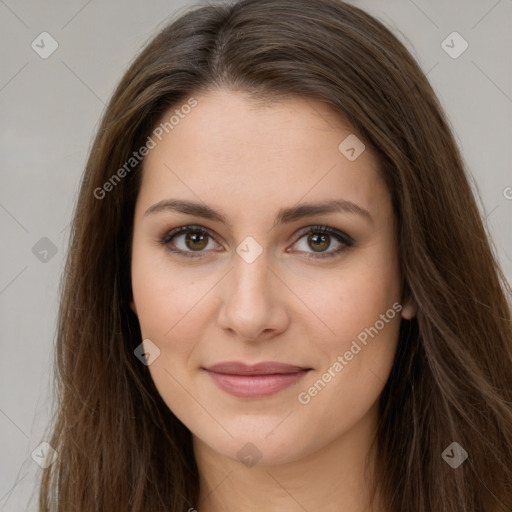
<point>196,241</point>
<point>187,240</point>
<point>319,242</point>
<point>318,239</point>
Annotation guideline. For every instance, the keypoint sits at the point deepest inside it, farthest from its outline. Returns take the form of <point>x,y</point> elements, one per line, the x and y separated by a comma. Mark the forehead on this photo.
<point>231,151</point>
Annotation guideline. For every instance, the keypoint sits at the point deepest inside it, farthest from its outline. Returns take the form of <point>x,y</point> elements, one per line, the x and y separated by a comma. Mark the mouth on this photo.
<point>255,381</point>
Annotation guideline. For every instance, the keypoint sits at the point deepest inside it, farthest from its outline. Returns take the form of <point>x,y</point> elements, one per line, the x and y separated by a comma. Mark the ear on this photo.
<point>409,308</point>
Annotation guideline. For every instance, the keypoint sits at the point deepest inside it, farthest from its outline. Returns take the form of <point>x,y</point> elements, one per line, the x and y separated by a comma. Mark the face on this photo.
<point>272,319</point>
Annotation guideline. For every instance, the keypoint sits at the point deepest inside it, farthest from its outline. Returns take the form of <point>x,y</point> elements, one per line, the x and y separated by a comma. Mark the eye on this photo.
<point>320,239</point>
<point>187,240</point>
<point>191,241</point>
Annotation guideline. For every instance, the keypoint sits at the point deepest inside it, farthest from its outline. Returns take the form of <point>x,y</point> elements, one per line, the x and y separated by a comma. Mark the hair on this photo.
<point>120,447</point>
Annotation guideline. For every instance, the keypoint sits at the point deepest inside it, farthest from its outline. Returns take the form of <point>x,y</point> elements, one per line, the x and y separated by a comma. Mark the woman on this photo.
<point>279,291</point>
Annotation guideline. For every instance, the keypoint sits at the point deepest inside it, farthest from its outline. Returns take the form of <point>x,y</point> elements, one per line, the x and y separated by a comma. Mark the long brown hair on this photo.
<point>120,447</point>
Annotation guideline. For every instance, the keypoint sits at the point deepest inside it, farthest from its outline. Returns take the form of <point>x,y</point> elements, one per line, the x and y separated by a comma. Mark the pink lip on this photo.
<point>255,381</point>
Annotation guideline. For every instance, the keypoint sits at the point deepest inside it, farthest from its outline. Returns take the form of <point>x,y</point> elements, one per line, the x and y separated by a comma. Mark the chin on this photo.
<point>256,441</point>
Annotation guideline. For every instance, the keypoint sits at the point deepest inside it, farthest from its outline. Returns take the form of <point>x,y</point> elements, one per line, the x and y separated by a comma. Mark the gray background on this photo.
<point>51,107</point>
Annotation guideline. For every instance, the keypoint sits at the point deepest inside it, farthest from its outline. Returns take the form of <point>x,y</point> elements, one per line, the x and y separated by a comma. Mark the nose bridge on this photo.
<point>251,275</point>
<point>249,303</point>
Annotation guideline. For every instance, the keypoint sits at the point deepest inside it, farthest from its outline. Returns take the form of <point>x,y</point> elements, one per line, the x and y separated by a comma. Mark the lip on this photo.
<point>255,381</point>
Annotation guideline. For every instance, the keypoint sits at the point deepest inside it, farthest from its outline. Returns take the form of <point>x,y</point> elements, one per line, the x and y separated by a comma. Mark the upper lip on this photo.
<point>264,368</point>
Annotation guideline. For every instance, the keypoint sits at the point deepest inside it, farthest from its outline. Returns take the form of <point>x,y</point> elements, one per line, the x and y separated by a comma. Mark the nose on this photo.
<point>253,301</point>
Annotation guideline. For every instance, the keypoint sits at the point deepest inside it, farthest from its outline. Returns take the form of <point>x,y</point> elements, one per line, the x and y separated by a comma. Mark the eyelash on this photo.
<point>341,237</point>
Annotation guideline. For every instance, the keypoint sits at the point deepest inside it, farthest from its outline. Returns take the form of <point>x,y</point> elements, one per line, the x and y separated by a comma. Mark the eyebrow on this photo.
<point>284,215</point>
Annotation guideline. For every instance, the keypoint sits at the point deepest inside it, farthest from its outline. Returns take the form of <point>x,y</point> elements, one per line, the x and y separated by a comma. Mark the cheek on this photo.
<point>361,309</point>
<point>172,305</point>
<point>354,299</point>
<point>165,309</point>
<point>169,311</point>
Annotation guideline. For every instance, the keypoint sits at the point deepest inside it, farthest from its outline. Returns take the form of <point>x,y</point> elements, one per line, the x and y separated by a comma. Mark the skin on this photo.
<point>249,161</point>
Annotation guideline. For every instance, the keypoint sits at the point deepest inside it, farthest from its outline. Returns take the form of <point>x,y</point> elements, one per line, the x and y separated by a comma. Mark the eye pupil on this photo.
<point>320,242</point>
<point>196,238</point>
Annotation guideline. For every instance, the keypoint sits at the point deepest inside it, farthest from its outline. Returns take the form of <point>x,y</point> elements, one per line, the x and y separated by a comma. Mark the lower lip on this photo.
<point>255,386</point>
